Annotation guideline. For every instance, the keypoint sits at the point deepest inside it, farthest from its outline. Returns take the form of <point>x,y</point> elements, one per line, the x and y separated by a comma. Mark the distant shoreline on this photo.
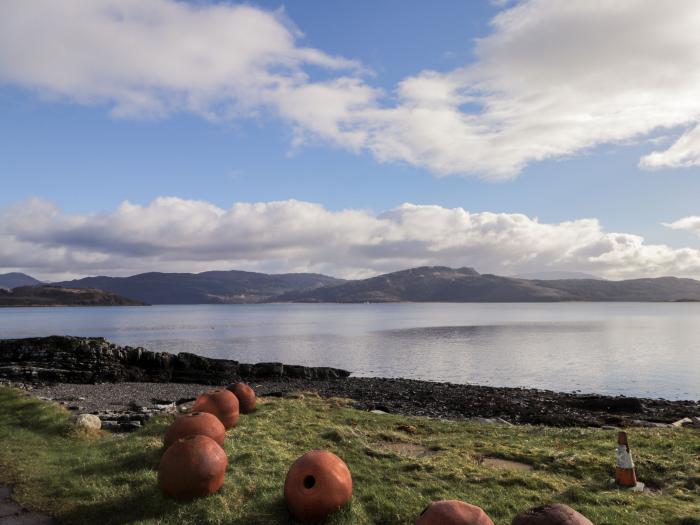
<point>278,303</point>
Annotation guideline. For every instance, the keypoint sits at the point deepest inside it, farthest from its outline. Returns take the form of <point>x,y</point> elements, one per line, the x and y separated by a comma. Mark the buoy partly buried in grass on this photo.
<point>195,424</point>
<point>453,512</point>
<point>555,514</point>
<point>221,403</point>
<point>245,395</point>
<point>318,484</point>
<point>192,467</point>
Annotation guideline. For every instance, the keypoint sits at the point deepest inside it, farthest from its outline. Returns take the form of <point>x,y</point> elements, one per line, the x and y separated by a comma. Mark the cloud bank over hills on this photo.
<point>173,234</point>
<point>553,78</point>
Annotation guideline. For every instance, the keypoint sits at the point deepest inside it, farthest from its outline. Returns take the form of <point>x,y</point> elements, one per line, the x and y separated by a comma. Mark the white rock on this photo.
<point>682,422</point>
<point>87,421</point>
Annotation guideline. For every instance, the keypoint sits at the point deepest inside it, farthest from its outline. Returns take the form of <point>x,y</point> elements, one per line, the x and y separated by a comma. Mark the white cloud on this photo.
<point>683,153</point>
<point>154,56</point>
<point>691,224</point>
<point>172,234</point>
<point>554,78</point>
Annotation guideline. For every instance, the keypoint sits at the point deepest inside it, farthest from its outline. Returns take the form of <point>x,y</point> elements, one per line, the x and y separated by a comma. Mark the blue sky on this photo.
<point>67,147</point>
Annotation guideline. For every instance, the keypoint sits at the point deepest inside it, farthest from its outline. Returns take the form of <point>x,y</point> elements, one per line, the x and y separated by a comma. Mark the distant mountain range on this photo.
<point>228,287</point>
<point>49,295</point>
<point>425,284</point>
<point>8,281</point>
<point>440,284</point>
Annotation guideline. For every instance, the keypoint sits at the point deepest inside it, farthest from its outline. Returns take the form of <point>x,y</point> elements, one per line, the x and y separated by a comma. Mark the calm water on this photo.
<point>650,349</point>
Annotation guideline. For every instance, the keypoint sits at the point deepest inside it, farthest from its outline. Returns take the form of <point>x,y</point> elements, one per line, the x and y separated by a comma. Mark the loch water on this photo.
<point>642,349</point>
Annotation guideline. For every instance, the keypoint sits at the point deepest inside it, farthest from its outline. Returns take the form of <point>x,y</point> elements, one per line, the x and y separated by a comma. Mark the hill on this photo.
<point>228,287</point>
<point>49,295</point>
<point>555,276</point>
<point>441,284</point>
<point>8,281</point>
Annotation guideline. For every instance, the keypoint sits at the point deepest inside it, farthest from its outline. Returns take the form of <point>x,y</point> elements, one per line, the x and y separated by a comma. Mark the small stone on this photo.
<point>491,421</point>
<point>87,421</point>
<point>502,421</point>
<point>639,487</point>
<point>409,429</point>
<point>376,411</point>
<point>130,426</point>
<point>682,422</point>
<point>110,425</point>
<point>647,424</point>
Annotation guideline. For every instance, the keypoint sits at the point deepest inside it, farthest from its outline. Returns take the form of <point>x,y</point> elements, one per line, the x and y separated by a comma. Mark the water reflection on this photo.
<point>634,348</point>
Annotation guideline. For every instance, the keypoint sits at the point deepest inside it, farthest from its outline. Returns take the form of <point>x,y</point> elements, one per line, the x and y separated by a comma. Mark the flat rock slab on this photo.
<point>507,464</point>
<point>407,449</point>
<point>11,513</point>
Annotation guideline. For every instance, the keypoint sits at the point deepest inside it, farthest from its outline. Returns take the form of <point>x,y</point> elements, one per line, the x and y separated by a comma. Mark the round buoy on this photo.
<point>221,403</point>
<point>245,395</point>
<point>453,512</point>
<point>195,424</point>
<point>318,484</point>
<point>192,467</point>
<point>555,514</point>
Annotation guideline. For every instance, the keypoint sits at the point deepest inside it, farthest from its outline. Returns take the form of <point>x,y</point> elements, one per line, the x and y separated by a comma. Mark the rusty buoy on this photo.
<point>192,467</point>
<point>245,395</point>
<point>453,512</point>
<point>555,514</point>
<point>195,424</point>
<point>318,484</point>
<point>221,403</point>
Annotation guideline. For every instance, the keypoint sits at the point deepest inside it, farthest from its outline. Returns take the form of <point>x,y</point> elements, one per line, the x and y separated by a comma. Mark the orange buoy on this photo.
<point>453,512</point>
<point>221,403</point>
<point>195,424</point>
<point>246,397</point>
<point>555,514</point>
<point>318,484</point>
<point>192,467</point>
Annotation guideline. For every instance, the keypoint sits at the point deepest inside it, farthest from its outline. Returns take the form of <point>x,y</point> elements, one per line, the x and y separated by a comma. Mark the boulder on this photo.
<point>87,422</point>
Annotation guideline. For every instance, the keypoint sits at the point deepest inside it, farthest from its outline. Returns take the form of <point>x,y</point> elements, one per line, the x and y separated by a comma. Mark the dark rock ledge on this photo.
<point>64,359</point>
<point>125,386</point>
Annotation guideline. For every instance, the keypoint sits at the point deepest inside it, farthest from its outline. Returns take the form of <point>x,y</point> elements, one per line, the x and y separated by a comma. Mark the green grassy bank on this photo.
<point>398,464</point>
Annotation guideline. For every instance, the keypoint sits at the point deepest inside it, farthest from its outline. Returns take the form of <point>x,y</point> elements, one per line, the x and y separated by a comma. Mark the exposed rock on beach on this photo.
<point>125,386</point>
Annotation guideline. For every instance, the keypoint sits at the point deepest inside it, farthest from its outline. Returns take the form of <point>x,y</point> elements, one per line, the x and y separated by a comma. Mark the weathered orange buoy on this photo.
<point>555,514</point>
<point>318,484</point>
<point>453,512</point>
<point>220,402</point>
<point>192,467</point>
<point>195,424</point>
<point>245,395</point>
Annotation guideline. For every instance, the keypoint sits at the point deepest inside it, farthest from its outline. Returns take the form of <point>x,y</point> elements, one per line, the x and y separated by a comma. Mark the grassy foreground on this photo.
<point>398,464</point>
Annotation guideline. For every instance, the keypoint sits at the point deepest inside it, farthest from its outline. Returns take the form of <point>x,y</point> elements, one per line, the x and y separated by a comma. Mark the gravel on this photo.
<point>126,406</point>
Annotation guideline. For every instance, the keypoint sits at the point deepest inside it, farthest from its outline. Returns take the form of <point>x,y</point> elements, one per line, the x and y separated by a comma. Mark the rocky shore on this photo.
<point>126,386</point>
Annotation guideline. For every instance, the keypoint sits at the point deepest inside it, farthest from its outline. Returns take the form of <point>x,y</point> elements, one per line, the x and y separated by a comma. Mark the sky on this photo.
<point>349,137</point>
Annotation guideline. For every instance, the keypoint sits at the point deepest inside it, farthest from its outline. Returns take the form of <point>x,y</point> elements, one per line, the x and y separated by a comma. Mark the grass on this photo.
<point>109,479</point>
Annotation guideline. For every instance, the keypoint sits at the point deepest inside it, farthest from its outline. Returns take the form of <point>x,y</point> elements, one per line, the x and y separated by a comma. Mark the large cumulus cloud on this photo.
<point>173,234</point>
